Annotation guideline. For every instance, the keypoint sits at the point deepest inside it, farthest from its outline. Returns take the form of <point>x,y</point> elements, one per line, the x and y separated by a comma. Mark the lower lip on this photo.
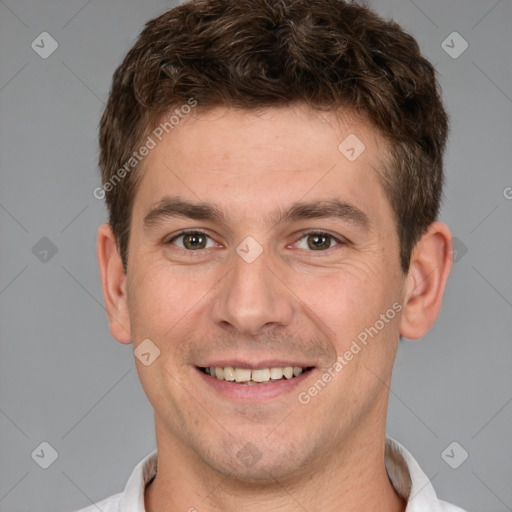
<point>253,392</point>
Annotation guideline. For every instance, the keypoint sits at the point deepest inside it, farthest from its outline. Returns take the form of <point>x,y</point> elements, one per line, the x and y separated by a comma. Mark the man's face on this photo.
<point>291,252</point>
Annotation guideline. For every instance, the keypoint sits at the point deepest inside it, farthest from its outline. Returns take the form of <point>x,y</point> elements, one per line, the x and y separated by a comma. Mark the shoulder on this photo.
<point>112,504</point>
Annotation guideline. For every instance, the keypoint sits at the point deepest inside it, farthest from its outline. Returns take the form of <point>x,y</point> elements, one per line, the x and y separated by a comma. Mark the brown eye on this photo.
<point>317,241</point>
<point>192,241</point>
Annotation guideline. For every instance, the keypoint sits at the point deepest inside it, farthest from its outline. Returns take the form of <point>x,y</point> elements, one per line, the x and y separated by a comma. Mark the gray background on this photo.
<point>64,380</point>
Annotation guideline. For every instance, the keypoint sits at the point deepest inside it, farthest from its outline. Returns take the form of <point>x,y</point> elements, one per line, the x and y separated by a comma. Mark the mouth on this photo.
<point>254,376</point>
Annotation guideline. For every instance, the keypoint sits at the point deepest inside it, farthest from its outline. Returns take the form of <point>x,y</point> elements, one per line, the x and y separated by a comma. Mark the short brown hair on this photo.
<point>252,54</point>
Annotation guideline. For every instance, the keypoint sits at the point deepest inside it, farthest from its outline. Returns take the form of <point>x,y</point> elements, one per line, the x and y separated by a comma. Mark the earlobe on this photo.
<point>431,262</point>
<point>113,283</point>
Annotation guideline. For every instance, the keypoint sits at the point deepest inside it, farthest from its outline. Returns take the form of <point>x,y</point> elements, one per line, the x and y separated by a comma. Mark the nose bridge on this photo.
<point>252,298</point>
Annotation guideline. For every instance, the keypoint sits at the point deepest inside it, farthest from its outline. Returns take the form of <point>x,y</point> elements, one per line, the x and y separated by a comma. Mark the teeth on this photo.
<point>276,373</point>
<point>229,374</point>
<point>251,377</point>
<point>288,372</point>
<point>242,375</point>
<point>261,375</point>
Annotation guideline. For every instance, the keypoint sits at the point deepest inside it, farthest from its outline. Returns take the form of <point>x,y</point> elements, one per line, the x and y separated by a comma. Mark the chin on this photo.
<point>258,461</point>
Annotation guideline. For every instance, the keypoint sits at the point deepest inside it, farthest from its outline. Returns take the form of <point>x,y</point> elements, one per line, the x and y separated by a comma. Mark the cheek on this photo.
<point>348,306</point>
<point>162,297</point>
<point>345,302</point>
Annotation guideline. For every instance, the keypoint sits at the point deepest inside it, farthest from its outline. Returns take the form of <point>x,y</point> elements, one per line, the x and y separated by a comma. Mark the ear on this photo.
<point>431,262</point>
<point>113,283</point>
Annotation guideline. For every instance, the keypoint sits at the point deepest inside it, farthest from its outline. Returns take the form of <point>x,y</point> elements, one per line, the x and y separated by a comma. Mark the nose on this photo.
<point>252,299</point>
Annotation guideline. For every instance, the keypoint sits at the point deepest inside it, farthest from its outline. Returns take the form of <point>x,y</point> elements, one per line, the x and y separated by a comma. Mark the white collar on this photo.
<point>406,476</point>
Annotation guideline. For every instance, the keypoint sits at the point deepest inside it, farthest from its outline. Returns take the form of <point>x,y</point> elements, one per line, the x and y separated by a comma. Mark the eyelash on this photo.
<point>303,234</point>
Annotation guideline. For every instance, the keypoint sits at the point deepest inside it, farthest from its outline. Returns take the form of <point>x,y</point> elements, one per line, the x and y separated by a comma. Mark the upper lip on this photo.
<point>254,365</point>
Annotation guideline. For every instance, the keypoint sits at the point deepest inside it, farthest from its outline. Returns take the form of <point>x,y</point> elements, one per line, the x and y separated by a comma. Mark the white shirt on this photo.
<point>404,473</point>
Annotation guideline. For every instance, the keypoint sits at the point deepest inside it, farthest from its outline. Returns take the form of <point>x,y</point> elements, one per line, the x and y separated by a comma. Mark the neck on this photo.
<point>351,479</point>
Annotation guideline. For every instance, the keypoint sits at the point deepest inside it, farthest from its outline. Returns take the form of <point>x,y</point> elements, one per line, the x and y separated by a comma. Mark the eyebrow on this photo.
<point>172,207</point>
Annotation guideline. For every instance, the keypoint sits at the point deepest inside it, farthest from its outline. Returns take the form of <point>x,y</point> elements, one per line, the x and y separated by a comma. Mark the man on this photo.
<point>273,173</point>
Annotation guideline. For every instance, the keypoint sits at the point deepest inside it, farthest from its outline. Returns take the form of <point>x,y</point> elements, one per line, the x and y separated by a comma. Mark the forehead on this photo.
<point>250,162</point>
<point>297,133</point>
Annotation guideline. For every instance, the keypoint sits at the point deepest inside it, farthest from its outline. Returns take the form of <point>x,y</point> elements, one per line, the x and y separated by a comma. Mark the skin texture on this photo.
<point>292,303</point>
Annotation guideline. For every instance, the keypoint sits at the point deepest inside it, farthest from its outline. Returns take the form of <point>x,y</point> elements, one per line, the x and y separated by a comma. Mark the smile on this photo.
<point>250,377</point>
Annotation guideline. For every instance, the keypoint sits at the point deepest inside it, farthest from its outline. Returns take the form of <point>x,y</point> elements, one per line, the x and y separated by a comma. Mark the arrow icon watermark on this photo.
<point>352,147</point>
<point>249,249</point>
<point>44,455</point>
<point>146,352</point>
